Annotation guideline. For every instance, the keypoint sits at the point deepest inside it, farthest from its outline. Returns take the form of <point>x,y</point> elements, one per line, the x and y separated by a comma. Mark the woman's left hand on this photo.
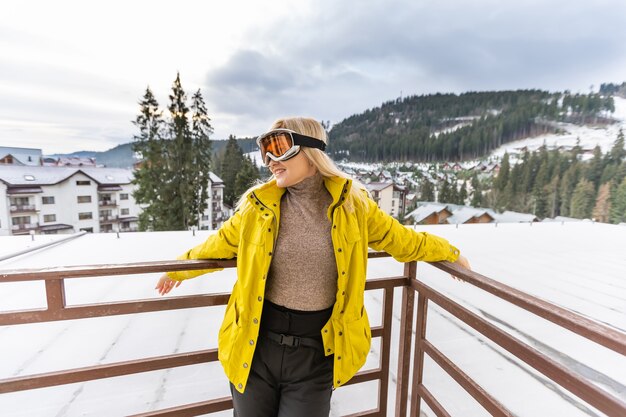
<point>462,261</point>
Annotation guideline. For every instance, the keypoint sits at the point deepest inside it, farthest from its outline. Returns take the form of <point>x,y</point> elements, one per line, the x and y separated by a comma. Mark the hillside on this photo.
<point>450,127</point>
<point>122,155</point>
<point>446,127</point>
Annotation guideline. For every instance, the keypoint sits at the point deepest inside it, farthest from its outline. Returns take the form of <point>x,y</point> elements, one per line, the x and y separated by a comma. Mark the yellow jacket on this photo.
<point>250,235</point>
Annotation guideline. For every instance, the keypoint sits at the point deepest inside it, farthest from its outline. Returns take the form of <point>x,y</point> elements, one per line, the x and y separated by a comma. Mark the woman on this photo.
<point>295,325</point>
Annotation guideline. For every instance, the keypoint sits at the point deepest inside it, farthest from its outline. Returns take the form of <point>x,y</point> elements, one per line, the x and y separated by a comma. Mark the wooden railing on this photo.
<point>409,378</point>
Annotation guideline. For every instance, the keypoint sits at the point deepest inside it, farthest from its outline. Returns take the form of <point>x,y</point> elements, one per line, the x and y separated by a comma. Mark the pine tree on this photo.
<point>596,166</point>
<point>150,174</point>
<point>583,199</point>
<point>539,196</point>
<point>477,195</point>
<point>445,192</point>
<point>526,179</point>
<point>180,192</point>
<point>506,198</point>
<point>427,193</point>
<point>503,174</point>
<point>570,179</point>
<point>602,208</point>
<point>246,176</point>
<point>200,131</point>
<point>463,193</point>
<point>230,165</point>
<point>553,196</point>
<point>618,152</point>
<point>173,177</point>
<point>454,193</point>
<point>618,204</point>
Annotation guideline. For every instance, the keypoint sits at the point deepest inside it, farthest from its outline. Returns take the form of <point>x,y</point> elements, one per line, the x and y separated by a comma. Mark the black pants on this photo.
<point>287,381</point>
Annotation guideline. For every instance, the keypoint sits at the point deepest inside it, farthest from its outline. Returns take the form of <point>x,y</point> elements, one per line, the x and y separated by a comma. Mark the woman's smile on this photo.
<point>291,171</point>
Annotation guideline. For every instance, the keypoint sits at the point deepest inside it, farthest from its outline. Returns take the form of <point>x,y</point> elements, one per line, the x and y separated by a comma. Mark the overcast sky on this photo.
<point>72,72</point>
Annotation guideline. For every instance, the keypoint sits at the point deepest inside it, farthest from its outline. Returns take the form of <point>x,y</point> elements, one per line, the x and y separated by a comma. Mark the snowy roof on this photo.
<point>378,186</point>
<point>76,161</point>
<point>23,156</point>
<point>48,175</point>
<point>426,210</point>
<point>464,214</point>
<point>214,178</point>
<point>514,217</point>
<point>109,175</point>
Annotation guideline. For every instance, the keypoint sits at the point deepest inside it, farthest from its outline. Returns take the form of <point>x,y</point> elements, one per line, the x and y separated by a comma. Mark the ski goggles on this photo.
<point>282,144</point>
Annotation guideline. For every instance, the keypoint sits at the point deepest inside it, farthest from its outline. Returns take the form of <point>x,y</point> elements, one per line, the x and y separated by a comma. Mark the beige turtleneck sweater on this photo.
<point>303,272</point>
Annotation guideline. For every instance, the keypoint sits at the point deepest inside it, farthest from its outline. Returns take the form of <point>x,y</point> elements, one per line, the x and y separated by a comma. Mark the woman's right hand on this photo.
<point>165,284</point>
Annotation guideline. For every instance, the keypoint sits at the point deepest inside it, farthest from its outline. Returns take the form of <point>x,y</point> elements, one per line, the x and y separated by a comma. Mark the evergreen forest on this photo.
<point>451,127</point>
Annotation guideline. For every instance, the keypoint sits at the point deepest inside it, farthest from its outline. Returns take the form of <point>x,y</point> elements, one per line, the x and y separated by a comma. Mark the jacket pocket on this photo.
<point>352,232</point>
<point>228,331</point>
<point>359,338</point>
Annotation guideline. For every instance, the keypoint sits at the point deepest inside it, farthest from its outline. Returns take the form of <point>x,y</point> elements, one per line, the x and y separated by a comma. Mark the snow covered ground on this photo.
<point>580,266</point>
<point>12,244</point>
<point>589,136</point>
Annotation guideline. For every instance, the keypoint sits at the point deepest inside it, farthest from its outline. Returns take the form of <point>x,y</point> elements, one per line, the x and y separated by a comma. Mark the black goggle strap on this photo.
<point>307,141</point>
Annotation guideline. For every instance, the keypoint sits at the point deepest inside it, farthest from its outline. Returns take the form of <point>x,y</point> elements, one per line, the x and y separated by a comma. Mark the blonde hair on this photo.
<point>327,168</point>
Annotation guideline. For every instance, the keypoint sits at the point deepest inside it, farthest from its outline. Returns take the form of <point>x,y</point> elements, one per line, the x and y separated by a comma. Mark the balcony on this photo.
<point>20,229</point>
<point>29,208</point>
<point>412,374</point>
<point>109,219</point>
<point>107,203</point>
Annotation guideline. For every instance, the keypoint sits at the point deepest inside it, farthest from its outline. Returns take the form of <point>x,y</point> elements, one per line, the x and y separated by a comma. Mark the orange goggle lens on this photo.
<point>277,144</point>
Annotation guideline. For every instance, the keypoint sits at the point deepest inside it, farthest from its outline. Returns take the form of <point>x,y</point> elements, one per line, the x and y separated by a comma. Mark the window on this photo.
<point>87,229</point>
<point>47,218</point>
<point>125,212</point>
<point>205,217</point>
<point>84,198</point>
<point>47,200</point>
<point>393,203</point>
<point>123,196</point>
<point>20,201</point>
<point>106,228</point>
<point>20,220</point>
<point>85,216</point>
<point>83,182</point>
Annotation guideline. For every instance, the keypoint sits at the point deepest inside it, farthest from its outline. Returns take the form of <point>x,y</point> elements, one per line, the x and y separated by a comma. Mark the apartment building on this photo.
<point>46,200</point>
<point>216,212</point>
<point>390,197</point>
<point>10,155</point>
<point>50,200</point>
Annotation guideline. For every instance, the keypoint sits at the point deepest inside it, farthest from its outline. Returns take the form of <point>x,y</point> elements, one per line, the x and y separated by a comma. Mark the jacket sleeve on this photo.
<point>387,234</point>
<point>221,245</point>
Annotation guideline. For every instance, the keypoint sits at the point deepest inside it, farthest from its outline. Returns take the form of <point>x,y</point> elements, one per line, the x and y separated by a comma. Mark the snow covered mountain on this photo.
<point>589,136</point>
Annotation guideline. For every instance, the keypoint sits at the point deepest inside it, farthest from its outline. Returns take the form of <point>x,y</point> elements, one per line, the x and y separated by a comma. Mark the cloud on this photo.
<point>343,57</point>
<point>258,61</point>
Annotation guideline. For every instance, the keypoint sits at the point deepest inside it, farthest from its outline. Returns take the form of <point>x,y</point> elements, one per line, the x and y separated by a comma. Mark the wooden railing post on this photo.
<point>406,338</point>
<point>55,295</point>
<point>418,356</point>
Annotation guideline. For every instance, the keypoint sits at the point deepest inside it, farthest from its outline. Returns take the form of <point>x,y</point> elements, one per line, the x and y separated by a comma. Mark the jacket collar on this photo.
<point>269,194</point>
